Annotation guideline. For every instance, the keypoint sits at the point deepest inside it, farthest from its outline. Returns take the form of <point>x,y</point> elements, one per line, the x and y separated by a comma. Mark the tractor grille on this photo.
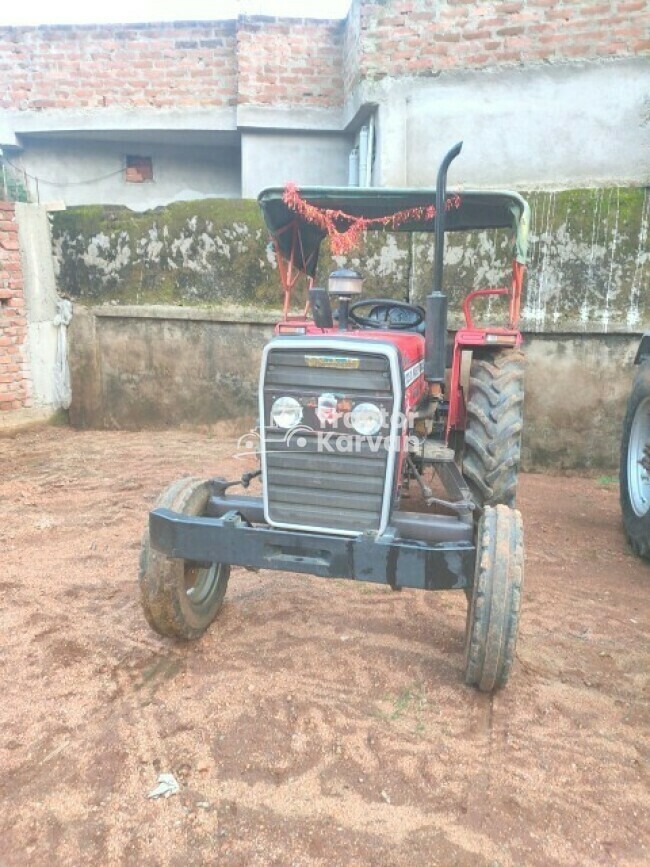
<point>319,477</point>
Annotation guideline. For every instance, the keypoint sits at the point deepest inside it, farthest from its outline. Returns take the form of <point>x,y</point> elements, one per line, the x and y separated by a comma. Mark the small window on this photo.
<point>138,170</point>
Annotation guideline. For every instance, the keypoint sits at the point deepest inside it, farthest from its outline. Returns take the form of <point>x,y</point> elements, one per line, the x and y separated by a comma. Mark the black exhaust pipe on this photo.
<point>435,335</point>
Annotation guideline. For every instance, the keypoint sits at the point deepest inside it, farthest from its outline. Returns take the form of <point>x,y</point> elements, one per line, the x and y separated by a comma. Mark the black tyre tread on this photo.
<point>493,614</point>
<point>637,529</point>
<point>155,617</point>
<point>161,579</point>
<point>495,401</point>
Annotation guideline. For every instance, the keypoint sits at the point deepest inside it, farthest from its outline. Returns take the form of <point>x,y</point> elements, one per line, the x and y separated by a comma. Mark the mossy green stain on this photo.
<point>586,258</point>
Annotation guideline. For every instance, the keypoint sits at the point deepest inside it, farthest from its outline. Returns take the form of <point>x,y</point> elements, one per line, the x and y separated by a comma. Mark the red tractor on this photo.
<point>358,405</point>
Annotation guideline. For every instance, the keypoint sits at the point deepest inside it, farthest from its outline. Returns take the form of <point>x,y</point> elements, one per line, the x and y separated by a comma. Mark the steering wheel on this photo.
<point>409,317</point>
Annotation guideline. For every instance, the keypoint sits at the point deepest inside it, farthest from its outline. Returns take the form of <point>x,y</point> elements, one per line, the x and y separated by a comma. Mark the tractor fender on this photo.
<point>643,352</point>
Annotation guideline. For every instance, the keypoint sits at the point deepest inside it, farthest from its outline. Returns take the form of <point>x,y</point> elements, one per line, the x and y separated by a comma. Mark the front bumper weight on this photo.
<point>381,560</point>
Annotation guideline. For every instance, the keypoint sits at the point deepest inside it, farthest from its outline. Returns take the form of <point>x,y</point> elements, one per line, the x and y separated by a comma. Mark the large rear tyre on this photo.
<point>181,598</point>
<point>634,472</point>
<point>493,614</point>
<point>495,410</point>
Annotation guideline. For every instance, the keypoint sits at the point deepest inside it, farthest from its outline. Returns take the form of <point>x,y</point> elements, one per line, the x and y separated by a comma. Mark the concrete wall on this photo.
<point>160,367</point>
<point>577,387</point>
<point>555,127</point>
<point>41,300</point>
<point>29,305</point>
<point>272,158</point>
<point>156,366</point>
<point>84,172</point>
<point>144,367</point>
<point>589,259</point>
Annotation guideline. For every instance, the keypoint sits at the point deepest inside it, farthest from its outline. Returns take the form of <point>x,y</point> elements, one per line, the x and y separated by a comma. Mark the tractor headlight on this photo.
<point>286,412</point>
<point>367,419</point>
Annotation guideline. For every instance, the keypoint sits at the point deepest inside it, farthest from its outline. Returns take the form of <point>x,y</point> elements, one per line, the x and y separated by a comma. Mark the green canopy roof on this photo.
<point>478,210</point>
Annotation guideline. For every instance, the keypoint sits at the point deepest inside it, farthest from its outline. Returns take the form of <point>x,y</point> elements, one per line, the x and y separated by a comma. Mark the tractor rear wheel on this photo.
<point>635,465</point>
<point>493,613</point>
<point>181,598</point>
<point>495,409</point>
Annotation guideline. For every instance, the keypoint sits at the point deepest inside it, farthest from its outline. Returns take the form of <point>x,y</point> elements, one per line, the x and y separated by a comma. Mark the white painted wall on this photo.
<point>70,170</point>
<point>40,300</point>
<point>270,159</point>
<point>547,127</point>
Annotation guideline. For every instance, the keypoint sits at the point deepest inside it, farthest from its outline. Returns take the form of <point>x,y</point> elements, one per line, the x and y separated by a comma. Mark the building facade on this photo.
<point>545,95</point>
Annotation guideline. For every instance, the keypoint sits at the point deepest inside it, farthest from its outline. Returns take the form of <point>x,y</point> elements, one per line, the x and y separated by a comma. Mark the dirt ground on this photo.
<point>318,722</point>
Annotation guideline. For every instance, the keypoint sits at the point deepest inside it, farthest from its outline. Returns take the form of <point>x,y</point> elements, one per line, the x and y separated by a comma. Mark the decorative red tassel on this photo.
<point>346,239</point>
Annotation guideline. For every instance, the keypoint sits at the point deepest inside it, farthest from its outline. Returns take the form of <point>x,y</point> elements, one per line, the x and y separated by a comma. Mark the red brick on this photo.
<point>510,31</point>
<point>257,59</point>
<point>596,11</point>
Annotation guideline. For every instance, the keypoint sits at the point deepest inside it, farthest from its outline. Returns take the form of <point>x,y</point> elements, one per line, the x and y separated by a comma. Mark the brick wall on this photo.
<point>302,62</point>
<point>295,62</point>
<point>259,61</point>
<point>418,37</point>
<point>156,65</point>
<point>15,391</point>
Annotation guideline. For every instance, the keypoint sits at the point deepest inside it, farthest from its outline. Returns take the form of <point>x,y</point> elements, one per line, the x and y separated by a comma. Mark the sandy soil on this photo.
<point>318,722</point>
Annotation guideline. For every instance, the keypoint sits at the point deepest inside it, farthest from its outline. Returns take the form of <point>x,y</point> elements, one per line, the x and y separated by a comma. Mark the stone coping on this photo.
<point>198,314</point>
<point>246,316</point>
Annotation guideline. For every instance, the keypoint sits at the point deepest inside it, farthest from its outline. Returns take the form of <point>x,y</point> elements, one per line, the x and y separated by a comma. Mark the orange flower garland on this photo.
<point>342,240</point>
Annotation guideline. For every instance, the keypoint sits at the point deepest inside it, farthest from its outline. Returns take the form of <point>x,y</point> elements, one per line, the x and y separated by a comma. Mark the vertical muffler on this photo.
<point>435,335</point>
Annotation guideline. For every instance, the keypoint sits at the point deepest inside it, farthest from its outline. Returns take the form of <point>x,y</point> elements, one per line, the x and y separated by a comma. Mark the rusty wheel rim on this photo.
<point>201,582</point>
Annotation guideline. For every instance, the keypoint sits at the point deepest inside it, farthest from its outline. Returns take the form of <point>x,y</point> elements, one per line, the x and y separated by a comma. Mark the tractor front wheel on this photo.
<point>493,614</point>
<point>181,598</point>
<point>495,408</point>
<point>635,465</point>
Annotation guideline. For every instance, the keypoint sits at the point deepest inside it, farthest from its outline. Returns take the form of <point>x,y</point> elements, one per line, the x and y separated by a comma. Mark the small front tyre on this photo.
<point>181,598</point>
<point>493,614</point>
<point>635,465</point>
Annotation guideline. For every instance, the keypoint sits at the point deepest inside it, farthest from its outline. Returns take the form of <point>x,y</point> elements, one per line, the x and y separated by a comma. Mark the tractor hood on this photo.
<point>299,239</point>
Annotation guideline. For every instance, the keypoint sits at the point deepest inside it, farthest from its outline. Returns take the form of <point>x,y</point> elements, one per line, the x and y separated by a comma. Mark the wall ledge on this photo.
<point>247,316</point>
<point>197,314</point>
